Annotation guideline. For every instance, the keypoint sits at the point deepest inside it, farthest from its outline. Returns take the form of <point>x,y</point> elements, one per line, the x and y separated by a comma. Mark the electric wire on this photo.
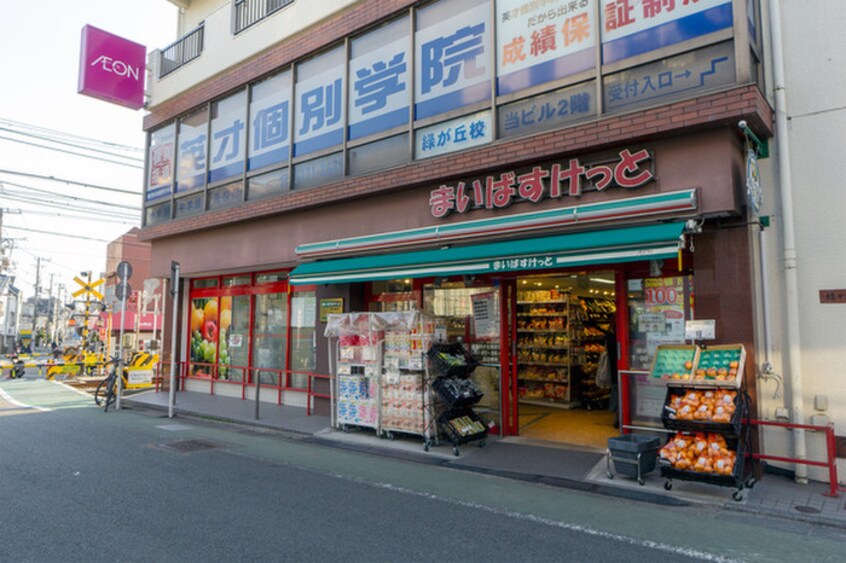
<point>72,182</point>
<point>80,237</point>
<point>57,149</point>
<point>76,138</point>
<point>4,183</point>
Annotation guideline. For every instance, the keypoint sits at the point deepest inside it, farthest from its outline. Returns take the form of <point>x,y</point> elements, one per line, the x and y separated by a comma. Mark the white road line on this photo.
<point>683,551</point>
<point>8,398</point>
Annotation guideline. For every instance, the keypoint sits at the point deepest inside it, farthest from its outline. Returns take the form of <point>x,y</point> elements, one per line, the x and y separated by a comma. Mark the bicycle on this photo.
<point>106,393</point>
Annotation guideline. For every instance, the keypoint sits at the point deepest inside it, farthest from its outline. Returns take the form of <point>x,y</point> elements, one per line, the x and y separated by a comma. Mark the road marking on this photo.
<point>8,398</point>
<point>683,551</point>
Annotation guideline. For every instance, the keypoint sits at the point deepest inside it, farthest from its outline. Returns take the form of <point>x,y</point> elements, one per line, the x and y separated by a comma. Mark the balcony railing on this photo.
<point>248,12</point>
<point>185,49</point>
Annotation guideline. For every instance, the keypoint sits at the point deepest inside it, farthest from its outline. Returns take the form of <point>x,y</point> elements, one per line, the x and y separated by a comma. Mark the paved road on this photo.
<point>77,484</point>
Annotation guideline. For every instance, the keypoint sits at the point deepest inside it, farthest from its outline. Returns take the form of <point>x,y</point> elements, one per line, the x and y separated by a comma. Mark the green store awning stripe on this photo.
<point>635,207</point>
<point>647,242</point>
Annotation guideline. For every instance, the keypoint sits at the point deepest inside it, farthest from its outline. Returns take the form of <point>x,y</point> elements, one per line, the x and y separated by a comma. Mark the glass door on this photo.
<point>234,337</point>
<point>270,327</point>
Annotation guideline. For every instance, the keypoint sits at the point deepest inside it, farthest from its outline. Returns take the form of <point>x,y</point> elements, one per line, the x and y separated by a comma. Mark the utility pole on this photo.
<point>35,299</point>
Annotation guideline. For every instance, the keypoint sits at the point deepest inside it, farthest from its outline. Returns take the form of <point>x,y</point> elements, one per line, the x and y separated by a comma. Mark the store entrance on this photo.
<point>565,328</point>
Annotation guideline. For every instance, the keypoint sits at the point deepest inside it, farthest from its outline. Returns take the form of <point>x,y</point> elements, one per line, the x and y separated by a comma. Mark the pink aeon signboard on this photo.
<point>112,68</point>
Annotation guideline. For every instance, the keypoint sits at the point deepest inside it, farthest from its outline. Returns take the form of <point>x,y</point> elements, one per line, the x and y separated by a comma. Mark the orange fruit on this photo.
<point>197,318</point>
<point>210,311</point>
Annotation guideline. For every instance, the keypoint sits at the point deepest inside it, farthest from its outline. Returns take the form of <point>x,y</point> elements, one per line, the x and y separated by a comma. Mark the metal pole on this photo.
<point>174,291</point>
<point>120,344</point>
<point>258,391</point>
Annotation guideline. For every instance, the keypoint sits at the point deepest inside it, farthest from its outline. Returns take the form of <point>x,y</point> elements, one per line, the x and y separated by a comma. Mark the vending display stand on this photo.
<point>380,371</point>
<point>450,367</point>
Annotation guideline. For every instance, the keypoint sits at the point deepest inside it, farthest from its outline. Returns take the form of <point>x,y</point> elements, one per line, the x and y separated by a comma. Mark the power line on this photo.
<point>78,138</point>
<point>4,183</point>
<point>116,219</point>
<point>57,149</point>
<point>72,182</point>
<point>80,237</point>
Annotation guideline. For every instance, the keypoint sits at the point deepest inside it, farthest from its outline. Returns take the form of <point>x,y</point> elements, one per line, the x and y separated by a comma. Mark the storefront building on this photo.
<point>552,179</point>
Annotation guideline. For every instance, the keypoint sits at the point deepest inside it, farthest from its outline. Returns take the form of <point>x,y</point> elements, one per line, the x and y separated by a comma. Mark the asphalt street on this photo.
<point>78,484</point>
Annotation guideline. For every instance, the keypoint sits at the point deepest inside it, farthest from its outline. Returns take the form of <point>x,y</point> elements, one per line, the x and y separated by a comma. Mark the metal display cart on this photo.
<point>451,366</point>
<point>697,407</point>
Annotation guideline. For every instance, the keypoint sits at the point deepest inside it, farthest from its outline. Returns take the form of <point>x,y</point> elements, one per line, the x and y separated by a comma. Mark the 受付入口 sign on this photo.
<point>111,68</point>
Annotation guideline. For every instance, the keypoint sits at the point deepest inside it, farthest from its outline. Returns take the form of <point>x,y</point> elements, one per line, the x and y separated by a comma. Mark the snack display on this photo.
<point>700,453</point>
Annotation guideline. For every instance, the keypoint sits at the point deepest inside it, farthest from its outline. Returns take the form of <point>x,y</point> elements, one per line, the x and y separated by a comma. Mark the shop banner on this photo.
<point>632,27</point>
<point>664,299</point>
<point>112,68</point>
<point>453,66</point>
<point>538,42</point>
<point>380,95</point>
<point>548,111</point>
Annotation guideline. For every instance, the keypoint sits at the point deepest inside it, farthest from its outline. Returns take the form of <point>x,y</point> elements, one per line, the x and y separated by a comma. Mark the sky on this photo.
<point>39,61</point>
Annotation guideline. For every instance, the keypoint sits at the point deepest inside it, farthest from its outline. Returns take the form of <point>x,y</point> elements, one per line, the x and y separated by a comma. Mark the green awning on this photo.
<point>648,242</point>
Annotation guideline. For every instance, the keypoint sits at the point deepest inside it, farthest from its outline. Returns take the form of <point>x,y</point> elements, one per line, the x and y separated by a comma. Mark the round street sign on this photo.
<point>123,291</point>
<point>124,270</point>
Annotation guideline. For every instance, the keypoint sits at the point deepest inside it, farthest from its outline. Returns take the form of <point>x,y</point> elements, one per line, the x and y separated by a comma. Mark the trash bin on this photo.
<point>633,455</point>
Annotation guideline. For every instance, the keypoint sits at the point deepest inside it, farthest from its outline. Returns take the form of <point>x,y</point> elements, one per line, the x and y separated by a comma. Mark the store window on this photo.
<point>160,164</point>
<point>303,337</point>
<point>230,281</point>
<point>472,314</point>
<point>380,85</point>
<point>192,145</point>
<point>189,205</point>
<point>321,102</point>
<point>270,122</point>
<point>272,183</point>
<point>271,277</point>
<point>204,337</point>
<point>234,356</point>
<point>658,308</point>
<point>204,283</point>
<point>226,196</point>
<point>158,214</point>
<point>228,137</point>
<point>319,171</point>
<point>392,295</point>
<point>270,331</point>
<point>379,155</point>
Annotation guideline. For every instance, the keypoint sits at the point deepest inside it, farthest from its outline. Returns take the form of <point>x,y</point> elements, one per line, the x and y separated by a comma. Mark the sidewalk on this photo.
<point>516,458</point>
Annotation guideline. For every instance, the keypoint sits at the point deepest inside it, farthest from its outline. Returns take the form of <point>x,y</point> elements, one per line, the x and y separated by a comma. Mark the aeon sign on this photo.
<point>111,68</point>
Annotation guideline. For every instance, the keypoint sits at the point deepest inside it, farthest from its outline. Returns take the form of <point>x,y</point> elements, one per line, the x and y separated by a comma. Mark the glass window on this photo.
<point>226,196</point>
<point>160,158</point>
<point>548,111</point>
<point>379,91</point>
<point>531,53</point>
<point>272,183</point>
<point>228,137</point>
<point>454,56</point>
<point>270,119</point>
<point>379,155</point>
<point>321,93</point>
<point>204,337</point>
<point>189,205</point>
<point>271,277</point>
<point>157,214</point>
<point>658,308</point>
<point>319,171</point>
<point>670,79</point>
<point>303,337</point>
<point>234,337</point>
<point>230,281</point>
<point>203,283</point>
<point>270,328</point>
<point>191,151</point>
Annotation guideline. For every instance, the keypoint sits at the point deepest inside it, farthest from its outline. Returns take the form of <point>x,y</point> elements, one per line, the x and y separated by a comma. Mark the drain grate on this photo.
<point>191,446</point>
<point>807,509</point>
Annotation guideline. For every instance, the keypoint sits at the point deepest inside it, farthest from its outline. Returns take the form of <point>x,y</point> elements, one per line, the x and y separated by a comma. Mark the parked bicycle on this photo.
<point>106,393</point>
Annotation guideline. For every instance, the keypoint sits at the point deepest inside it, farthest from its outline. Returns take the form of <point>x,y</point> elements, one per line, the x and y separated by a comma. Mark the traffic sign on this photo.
<point>123,291</point>
<point>88,289</point>
<point>124,270</point>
